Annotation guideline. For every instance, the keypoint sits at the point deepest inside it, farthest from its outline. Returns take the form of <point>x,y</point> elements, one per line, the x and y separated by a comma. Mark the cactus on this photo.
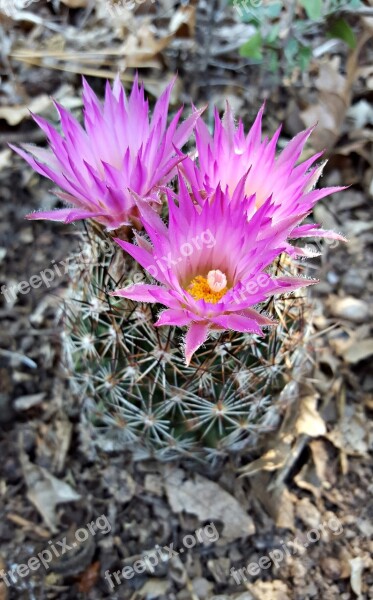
<point>136,391</point>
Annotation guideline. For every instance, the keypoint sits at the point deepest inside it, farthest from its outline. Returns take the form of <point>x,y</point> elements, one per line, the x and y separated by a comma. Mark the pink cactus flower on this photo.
<point>229,157</point>
<point>119,150</point>
<point>211,263</point>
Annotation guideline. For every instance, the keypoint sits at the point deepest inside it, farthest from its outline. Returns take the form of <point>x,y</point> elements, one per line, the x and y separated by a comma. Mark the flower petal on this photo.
<point>238,323</point>
<point>66,215</point>
<point>195,337</point>
<point>177,317</point>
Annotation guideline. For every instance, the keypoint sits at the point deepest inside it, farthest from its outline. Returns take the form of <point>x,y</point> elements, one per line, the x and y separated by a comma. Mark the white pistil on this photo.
<point>216,280</point>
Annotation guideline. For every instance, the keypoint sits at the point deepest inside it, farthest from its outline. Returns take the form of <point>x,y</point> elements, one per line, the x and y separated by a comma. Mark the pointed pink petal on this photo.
<point>261,319</point>
<point>238,323</point>
<point>139,292</point>
<point>195,337</point>
<point>176,317</point>
<point>303,231</point>
<point>66,215</point>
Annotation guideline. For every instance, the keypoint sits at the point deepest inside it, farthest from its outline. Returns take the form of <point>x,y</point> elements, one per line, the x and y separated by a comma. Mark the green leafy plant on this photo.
<point>283,34</point>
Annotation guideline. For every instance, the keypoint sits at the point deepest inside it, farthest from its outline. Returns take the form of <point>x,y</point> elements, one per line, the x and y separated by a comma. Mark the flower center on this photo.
<point>211,288</point>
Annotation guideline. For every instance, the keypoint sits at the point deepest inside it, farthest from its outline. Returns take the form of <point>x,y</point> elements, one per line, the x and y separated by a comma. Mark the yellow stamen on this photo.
<point>207,288</point>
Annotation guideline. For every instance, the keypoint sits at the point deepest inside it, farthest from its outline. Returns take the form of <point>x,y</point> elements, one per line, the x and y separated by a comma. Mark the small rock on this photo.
<point>311,590</point>
<point>350,308</point>
<point>6,409</point>
<point>308,513</point>
<point>353,282</point>
<point>323,288</point>
<point>29,401</point>
<point>202,587</point>
<point>219,569</point>
<point>331,567</point>
<point>154,588</point>
<point>332,277</point>
<point>368,383</point>
<point>153,484</point>
<point>298,571</point>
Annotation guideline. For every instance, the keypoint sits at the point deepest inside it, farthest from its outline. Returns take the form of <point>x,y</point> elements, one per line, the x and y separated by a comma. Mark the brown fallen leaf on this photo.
<point>351,434</point>
<point>89,578</point>
<point>331,107</point>
<point>334,97</point>
<point>309,421</point>
<point>184,18</point>
<point>13,115</point>
<point>319,473</point>
<point>210,502</point>
<point>45,491</point>
<point>272,460</point>
<point>276,499</point>
<point>75,3</point>
<point>307,512</point>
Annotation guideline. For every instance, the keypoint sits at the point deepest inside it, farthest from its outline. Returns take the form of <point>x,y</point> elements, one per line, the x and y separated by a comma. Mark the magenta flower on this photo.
<point>118,151</point>
<point>229,157</point>
<point>210,262</point>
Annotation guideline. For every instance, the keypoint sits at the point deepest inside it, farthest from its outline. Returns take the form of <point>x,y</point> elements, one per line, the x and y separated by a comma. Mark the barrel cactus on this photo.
<point>136,391</point>
<point>185,315</point>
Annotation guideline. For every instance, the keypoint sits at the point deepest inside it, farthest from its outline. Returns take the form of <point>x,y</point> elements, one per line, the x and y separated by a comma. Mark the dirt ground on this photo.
<point>308,518</point>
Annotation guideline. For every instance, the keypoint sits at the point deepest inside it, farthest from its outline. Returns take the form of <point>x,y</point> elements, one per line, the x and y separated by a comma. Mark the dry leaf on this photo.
<point>275,498</point>
<point>27,402</point>
<point>357,567</point>
<point>309,421</point>
<point>119,483</point>
<point>361,114</point>
<point>75,3</point>
<point>272,460</point>
<point>155,588</point>
<point>349,308</point>
<point>210,502</point>
<point>270,590</point>
<point>185,15</point>
<point>46,491</point>
<point>319,473</point>
<point>359,351</point>
<point>308,513</point>
<point>5,158</point>
<point>89,578</point>
<point>330,110</point>
<point>351,434</point>
<point>15,114</point>
<point>334,98</point>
